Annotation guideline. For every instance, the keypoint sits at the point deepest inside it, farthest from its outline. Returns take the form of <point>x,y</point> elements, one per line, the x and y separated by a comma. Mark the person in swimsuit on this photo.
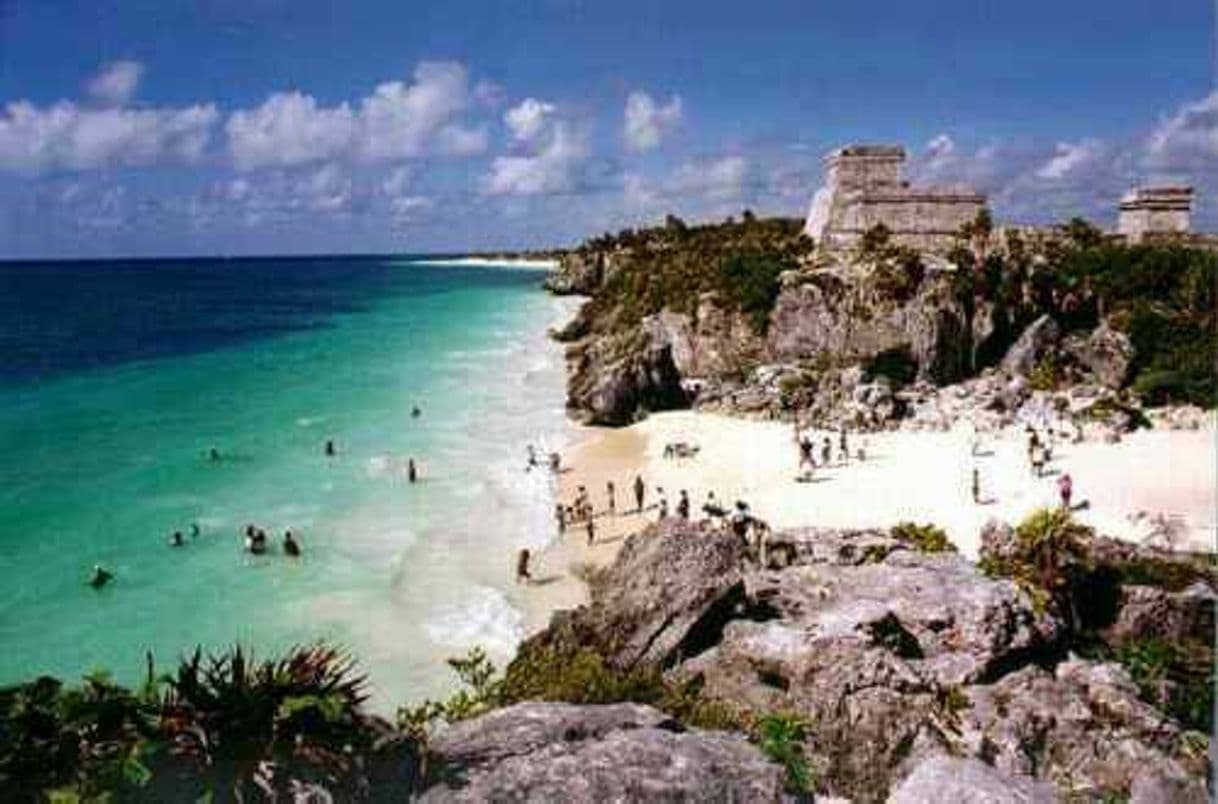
<point>291,547</point>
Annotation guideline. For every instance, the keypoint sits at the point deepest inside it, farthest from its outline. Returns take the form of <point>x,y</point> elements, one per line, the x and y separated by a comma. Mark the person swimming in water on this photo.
<point>291,547</point>
<point>412,471</point>
<point>176,539</point>
<point>194,530</point>
<point>331,449</point>
<point>213,455</point>
<point>415,412</point>
<point>101,577</point>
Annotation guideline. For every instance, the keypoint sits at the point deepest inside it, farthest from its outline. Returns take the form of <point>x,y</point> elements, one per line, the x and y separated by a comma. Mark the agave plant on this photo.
<point>239,722</point>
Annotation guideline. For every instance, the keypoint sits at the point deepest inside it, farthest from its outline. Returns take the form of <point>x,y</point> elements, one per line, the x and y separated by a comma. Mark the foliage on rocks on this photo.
<point>927,538</point>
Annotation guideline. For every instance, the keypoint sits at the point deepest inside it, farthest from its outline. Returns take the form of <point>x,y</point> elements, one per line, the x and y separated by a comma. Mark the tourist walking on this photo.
<point>1065,488</point>
<point>805,453</point>
<point>826,451</point>
<point>843,447</point>
<point>639,491</point>
<point>591,531</point>
<point>560,516</point>
<point>611,493</point>
<point>976,485</point>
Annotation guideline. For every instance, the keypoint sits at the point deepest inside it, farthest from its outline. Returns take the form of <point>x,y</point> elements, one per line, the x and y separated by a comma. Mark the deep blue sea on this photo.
<point>118,378</point>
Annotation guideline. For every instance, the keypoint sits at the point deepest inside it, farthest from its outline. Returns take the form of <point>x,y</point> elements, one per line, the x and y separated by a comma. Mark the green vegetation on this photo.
<point>580,676</point>
<point>781,737</point>
<point>1177,678</point>
<point>672,266</point>
<point>1046,559</point>
<point>223,727</point>
<point>925,538</point>
<point>1161,295</point>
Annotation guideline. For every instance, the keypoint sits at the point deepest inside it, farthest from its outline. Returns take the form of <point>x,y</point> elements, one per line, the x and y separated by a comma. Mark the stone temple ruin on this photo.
<point>1148,212</point>
<point>864,188</point>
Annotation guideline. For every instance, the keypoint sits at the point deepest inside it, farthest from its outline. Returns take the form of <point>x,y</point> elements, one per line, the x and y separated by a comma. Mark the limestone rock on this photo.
<point>617,752</point>
<point>1083,728</point>
<point>1040,337</point>
<point>578,273</point>
<point>1106,353</point>
<point>614,382</point>
<point>942,779</point>
<point>1148,612</point>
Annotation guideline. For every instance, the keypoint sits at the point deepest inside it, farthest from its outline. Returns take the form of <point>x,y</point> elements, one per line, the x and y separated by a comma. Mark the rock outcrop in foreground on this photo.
<point>613,752</point>
<point>896,657</point>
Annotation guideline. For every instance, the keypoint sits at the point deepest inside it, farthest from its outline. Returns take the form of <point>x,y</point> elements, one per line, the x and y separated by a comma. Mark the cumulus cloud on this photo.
<point>646,122</point>
<point>721,179</point>
<point>558,148</point>
<point>65,136</point>
<point>528,119</point>
<point>115,83</point>
<point>397,121</point>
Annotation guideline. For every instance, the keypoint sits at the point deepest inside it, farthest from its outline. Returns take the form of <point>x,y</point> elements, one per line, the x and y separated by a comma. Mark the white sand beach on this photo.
<point>489,262</point>
<point>920,477</point>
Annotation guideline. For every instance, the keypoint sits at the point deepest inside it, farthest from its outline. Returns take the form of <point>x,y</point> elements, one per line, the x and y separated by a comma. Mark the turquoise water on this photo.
<point>104,436</point>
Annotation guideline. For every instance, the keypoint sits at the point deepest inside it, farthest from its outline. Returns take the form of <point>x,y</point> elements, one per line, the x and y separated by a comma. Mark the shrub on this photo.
<point>781,737</point>
<point>1047,559</point>
<point>925,538</point>
<point>1176,678</point>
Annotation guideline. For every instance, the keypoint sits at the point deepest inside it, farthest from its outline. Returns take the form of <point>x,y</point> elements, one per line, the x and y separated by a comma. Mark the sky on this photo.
<point>167,127</point>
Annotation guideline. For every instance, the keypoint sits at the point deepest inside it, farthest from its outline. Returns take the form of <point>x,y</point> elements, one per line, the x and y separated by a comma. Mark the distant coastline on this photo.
<point>546,263</point>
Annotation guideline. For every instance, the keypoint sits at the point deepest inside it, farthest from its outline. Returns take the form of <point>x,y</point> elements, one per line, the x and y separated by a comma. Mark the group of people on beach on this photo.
<point>805,442</point>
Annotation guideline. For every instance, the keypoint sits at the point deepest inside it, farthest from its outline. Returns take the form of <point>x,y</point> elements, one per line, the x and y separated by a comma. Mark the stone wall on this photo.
<point>1149,211</point>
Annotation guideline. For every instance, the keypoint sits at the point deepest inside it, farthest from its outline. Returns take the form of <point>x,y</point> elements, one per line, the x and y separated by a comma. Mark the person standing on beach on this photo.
<point>639,491</point>
<point>683,505</point>
<point>843,446</point>
<point>805,453</point>
<point>560,516</point>
<point>663,508</point>
<point>976,485</point>
<point>591,531</point>
<point>611,493</point>
<point>1065,488</point>
<point>522,567</point>
<point>826,451</point>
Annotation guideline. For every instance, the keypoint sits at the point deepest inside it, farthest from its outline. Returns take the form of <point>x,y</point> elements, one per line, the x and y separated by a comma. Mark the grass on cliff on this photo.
<point>671,266</point>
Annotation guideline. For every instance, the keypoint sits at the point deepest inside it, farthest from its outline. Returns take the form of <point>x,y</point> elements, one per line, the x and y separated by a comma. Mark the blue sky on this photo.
<point>259,126</point>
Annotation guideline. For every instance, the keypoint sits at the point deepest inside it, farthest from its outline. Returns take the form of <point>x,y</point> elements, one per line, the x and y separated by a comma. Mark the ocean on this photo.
<point>118,378</point>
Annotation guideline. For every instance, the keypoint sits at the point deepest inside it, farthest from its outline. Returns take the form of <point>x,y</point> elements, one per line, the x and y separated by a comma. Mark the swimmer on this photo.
<point>331,449</point>
<point>412,471</point>
<point>290,546</point>
<point>415,412</point>
<point>194,530</point>
<point>522,567</point>
<point>213,455</point>
<point>100,577</point>
<point>176,539</point>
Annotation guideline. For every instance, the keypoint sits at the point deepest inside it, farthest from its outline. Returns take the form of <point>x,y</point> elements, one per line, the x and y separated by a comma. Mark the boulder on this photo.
<point>1040,337</point>
<point>615,380</point>
<point>943,779</point>
<point>1106,353</point>
<point>586,753</point>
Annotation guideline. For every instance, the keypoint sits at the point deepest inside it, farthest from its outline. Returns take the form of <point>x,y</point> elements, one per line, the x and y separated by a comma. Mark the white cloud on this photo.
<point>528,119</point>
<point>646,123</point>
<point>552,167</point>
<point>1069,159</point>
<point>289,128</point>
<point>397,121</point>
<point>1187,139</point>
<point>115,83</point>
<point>397,181</point>
<point>410,207</point>
<point>65,136</point>
<point>720,179</point>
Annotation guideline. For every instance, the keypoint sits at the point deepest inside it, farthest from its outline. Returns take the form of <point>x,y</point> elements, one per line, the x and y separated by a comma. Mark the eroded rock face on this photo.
<point>614,380</point>
<point>829,318</point>
<point>617,752</point>
<point>577,274</point>
<point>1040,338</point>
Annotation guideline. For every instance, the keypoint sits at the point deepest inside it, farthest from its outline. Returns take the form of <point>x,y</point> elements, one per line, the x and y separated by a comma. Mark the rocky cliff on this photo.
<point>737,317</point>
